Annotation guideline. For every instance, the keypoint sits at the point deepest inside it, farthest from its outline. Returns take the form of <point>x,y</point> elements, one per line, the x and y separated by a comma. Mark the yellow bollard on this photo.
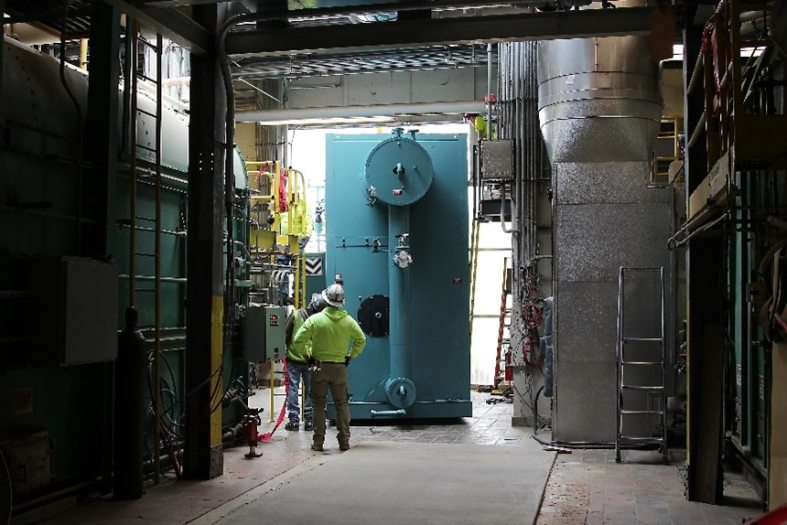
<point>273,385</point>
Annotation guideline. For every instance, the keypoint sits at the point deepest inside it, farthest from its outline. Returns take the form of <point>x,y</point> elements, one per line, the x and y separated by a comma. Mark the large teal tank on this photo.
<point>396,219</point>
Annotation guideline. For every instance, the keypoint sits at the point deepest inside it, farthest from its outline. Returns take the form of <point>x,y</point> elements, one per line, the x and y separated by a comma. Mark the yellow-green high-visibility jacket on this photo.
<point>296,351</point>
<point>331,332</point>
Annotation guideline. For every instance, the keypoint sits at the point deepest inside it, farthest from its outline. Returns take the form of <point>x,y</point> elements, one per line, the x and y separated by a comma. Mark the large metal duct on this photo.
<point>600,111</point>
<point>598,99</point>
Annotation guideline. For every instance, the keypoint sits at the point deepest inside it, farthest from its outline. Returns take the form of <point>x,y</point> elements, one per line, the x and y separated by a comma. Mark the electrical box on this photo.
<point>70,307</point>
<point>275,324</point>
<point>264,332</point>
<point>90,311</point>
<point>497,160</point>
<point>29,461</point>
<point>254,334</point>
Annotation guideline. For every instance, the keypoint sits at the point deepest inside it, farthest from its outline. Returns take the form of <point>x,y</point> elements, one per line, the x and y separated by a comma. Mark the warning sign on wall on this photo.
<point>314,266</point>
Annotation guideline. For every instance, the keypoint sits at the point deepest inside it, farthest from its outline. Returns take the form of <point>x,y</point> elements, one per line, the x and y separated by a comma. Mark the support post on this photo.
<point>98,186</point>
<point>705,336</point>
<point>102,127</point>
<point>2,87</point>
<point>203,457</point>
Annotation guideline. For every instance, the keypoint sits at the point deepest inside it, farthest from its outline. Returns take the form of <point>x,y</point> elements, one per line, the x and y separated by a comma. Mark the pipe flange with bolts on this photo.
<point>400,392</point>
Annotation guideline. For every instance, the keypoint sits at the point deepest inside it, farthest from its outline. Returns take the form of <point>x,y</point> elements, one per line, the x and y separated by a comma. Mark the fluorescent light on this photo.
<point>328,121</point>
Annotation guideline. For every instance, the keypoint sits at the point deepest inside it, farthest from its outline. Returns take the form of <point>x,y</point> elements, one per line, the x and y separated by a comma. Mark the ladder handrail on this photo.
<point>501,327</point>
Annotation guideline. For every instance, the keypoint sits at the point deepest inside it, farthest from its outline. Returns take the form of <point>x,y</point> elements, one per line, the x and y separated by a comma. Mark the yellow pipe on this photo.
<point>261,198</point>
<point>273,385</point>
<point>473,269</point>
<point>298,282</point>
<point>303,278</point>
<point>290,201</point>
<point>299,203</point>
<point>83,53</point>
<point>276,179</point>
<point>269,175</point>
<point>259,163</point>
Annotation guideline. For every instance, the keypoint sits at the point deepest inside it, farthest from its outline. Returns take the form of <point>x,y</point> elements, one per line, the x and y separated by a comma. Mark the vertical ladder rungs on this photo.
<point>623,441</point>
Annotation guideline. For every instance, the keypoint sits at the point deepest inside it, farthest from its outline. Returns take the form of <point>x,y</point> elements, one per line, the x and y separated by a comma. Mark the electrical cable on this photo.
<point>80,130</point>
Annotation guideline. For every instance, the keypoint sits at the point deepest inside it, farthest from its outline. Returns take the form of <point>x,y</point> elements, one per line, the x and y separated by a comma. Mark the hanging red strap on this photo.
<point>283,202</point>
<point>268,435</point>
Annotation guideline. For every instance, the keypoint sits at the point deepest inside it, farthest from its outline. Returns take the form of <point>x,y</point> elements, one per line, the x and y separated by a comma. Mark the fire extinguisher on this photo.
<point>250,422</point>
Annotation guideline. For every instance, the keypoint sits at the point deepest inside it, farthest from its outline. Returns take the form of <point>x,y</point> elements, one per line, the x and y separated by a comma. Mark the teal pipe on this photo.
<point>399,294</point>
<point>386,413</point>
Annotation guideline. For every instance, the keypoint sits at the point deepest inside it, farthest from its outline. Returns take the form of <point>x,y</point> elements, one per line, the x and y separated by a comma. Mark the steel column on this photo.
<point>2,98</point>
<point>102,126</point>
<point>203,456</point>
<point>705,336</point>
<point>101,129</point>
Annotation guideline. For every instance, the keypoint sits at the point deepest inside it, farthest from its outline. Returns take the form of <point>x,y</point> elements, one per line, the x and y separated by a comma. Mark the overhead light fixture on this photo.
<point>752,51</point>
<point>328,121</point>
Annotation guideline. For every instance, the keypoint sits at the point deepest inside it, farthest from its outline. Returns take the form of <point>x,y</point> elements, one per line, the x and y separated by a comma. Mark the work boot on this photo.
<point>307,426</point>
<point>317,447</point>
<point>292,425</point>
<point>344,446</point>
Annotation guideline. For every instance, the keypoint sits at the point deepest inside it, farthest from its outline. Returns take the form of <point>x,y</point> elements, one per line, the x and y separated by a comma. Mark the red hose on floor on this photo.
<point>266,437</point>
<point>774,517</point>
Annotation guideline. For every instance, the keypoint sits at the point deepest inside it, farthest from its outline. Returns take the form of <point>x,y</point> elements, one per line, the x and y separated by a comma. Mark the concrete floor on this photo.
<point>480,464</point>
<point>402,484</point>
<point>587,487</point>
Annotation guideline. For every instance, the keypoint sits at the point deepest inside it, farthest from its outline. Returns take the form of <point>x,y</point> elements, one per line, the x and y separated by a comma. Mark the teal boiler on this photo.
<point>397,237</point>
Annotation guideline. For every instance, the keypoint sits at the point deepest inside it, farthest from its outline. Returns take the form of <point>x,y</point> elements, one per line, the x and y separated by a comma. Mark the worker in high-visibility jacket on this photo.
<point>298,366</point>
<point>335,339</point>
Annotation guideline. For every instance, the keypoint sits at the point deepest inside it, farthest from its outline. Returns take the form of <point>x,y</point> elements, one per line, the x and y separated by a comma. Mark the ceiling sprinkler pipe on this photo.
<point>387,413</point>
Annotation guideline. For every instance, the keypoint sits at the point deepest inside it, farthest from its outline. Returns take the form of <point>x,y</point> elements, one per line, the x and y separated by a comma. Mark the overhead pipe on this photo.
<point>277,116</point>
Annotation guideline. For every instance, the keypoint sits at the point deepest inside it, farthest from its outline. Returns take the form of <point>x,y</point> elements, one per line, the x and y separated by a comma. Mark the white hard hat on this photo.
<point>334,295</point>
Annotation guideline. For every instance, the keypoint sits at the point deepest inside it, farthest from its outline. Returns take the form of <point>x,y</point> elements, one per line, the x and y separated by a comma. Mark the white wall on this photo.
<point>494,247</point>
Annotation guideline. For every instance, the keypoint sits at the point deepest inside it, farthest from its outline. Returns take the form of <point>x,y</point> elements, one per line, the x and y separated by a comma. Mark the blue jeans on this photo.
<point>296,371</point>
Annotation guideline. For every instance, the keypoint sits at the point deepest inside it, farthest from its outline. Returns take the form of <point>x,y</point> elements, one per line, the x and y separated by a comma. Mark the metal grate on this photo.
<point>51,13</point>
<point>414,59</point>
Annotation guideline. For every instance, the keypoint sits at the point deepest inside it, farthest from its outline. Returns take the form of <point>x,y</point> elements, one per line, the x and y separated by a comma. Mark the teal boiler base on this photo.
<point>360,253</point>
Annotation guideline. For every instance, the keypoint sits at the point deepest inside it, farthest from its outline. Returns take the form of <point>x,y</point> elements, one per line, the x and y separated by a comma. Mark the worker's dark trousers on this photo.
<point>333,376</point>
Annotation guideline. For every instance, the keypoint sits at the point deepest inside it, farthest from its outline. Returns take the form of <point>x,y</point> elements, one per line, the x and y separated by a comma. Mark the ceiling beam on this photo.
<point>171,23</point>
<point>526,26</point>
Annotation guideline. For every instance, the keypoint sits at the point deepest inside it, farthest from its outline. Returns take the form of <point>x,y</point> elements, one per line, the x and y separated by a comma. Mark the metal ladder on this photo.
<point>504,324</point>
<point>623,441</point>
<point>156,221</point>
